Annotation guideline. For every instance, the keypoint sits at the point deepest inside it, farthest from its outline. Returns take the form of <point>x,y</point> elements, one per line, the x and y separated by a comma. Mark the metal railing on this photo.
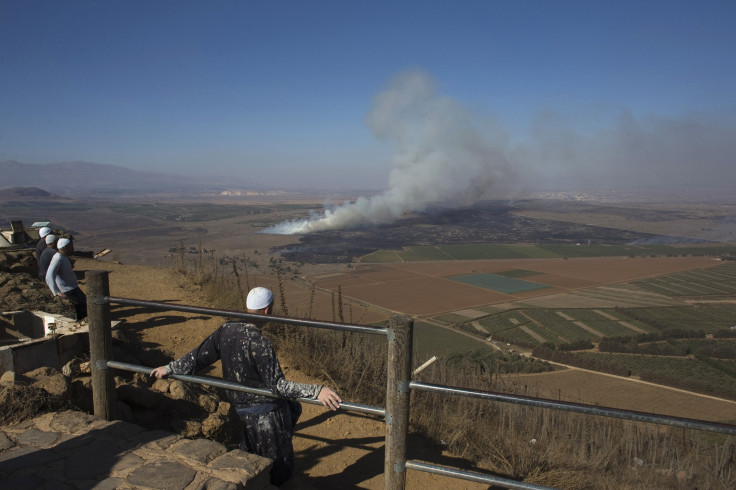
<point>229,385</point>
<point>399,335</point>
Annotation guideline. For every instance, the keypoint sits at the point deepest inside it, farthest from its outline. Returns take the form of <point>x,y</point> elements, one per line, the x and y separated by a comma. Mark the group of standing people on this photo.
<point>55,268</point>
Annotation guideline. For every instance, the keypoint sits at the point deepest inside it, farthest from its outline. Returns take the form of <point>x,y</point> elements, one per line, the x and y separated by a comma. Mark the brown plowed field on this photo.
<point>426,288</point>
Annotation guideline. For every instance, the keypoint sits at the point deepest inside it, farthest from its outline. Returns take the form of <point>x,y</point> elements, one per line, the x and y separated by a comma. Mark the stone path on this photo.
<point>74,450</point>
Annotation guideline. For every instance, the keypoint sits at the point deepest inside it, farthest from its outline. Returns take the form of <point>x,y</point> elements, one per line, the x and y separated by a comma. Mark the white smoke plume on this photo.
<point>440,159</point>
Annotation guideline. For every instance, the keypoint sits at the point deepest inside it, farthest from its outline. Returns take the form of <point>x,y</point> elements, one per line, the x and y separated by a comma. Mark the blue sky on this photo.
<point>572,93</point>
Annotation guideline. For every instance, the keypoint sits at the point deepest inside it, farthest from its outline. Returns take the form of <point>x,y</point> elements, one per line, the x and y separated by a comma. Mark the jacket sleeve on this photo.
<point>292,389</point>
<point>267,365</point>
<point>51,274</point>
<point>202,356</point>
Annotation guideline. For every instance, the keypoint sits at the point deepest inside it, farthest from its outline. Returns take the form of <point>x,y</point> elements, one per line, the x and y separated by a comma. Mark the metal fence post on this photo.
<point>100,344</point>
<point>400,340</point>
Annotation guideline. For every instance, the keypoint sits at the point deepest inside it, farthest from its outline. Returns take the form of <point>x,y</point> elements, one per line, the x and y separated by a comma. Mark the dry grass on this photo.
<point>568,450</point>
<point>19,402</point>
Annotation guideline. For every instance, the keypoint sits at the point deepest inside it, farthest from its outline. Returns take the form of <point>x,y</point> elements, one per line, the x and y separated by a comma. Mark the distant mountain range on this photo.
<point>92,178</point>
<point>29,194</point>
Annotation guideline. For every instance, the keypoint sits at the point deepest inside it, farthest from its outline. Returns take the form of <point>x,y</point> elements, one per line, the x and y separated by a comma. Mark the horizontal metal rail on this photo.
<point>228,385</point>
<point>249,316</point>
<point>413,464</point>
<point>399,460</point>
<point>580,408</point>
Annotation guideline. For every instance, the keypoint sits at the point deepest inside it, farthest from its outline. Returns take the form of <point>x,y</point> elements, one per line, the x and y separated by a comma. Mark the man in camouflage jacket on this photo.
<point>249,358</point>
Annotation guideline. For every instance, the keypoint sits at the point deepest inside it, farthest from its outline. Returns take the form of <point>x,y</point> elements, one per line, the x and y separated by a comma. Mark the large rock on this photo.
<point>208,402</point>
<point>75,367</point>
<point>187,428</point>
<point>161,385</point>
<point>52,381</point>
<point>138,396</point>
<point>216,427</point>
<point>82,393</point>
<point>124,412</point>
<point>178,390</point>
<point>8,378</point>
<point>162,474</point>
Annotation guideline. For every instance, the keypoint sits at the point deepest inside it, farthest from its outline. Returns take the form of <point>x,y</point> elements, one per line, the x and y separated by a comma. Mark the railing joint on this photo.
<point>403,386</point>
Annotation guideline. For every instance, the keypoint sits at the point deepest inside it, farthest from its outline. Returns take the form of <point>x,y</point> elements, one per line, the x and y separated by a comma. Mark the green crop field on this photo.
<point>451,318</point>
<point>562,328</point>
<point>674,330</point>
<point>715,348</point>
<point>550,335</point>
<point>518,336</point>
<point>559,329</point>
<point>517,273</point>
<point>383,256</point>
<point>714,281</point>
<point>499,324</point>
<point>494,282</point>
<point>692,373</point>
<point>493,251</point>
<point>707,318</point>
<point>431,340</point>
<point>485,251</point>
<point>419,254</point>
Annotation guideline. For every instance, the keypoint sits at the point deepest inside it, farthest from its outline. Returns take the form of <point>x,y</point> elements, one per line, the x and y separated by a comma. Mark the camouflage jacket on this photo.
<point>247,358</point>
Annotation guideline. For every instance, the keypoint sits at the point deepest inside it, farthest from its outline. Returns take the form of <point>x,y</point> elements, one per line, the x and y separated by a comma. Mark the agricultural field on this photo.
<point>503,315</point>
<point>499,282</point>
<point>493,251</point>
<point>431,340</point>
<point>429,288</point>
<point>706,317</point>
<point>688,373</point>
<point>697,283</point>
<point>486,273</point>
<point>200,211</point>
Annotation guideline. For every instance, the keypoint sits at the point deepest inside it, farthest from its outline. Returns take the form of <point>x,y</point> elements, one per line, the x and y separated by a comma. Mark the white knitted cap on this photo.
<point>50,238</point>
<point>258,298</point>
<point>63,242</point>
<point>44,231</point>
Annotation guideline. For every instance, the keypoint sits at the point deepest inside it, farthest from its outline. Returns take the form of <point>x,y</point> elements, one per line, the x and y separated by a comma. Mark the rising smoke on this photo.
<point>440,159</point>
<point>617,149</point>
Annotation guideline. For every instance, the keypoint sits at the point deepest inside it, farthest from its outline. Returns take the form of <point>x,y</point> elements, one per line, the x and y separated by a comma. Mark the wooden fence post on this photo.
<point>400,340</point>
<point>100,344</point>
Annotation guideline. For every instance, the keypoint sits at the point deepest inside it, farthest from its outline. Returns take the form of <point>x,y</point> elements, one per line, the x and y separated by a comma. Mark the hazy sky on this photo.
<point>566,93</point>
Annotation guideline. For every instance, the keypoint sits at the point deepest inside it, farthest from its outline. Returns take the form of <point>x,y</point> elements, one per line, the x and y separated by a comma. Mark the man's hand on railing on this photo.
<point>329,398</point>
<point>159,372</point>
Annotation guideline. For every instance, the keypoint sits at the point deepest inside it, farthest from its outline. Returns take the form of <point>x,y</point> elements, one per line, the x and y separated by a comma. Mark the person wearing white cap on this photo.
<point>249,358</point>
<point>48,253</point>
<point>63,281</point>
<point>41,244</point>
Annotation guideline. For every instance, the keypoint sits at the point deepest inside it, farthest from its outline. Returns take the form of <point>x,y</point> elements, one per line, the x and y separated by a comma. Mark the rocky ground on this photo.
<point>20,288</point>
<point>333,450</point>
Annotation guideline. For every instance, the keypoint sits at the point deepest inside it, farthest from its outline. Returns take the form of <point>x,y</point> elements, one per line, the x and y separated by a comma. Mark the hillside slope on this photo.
<point>333,450</point>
